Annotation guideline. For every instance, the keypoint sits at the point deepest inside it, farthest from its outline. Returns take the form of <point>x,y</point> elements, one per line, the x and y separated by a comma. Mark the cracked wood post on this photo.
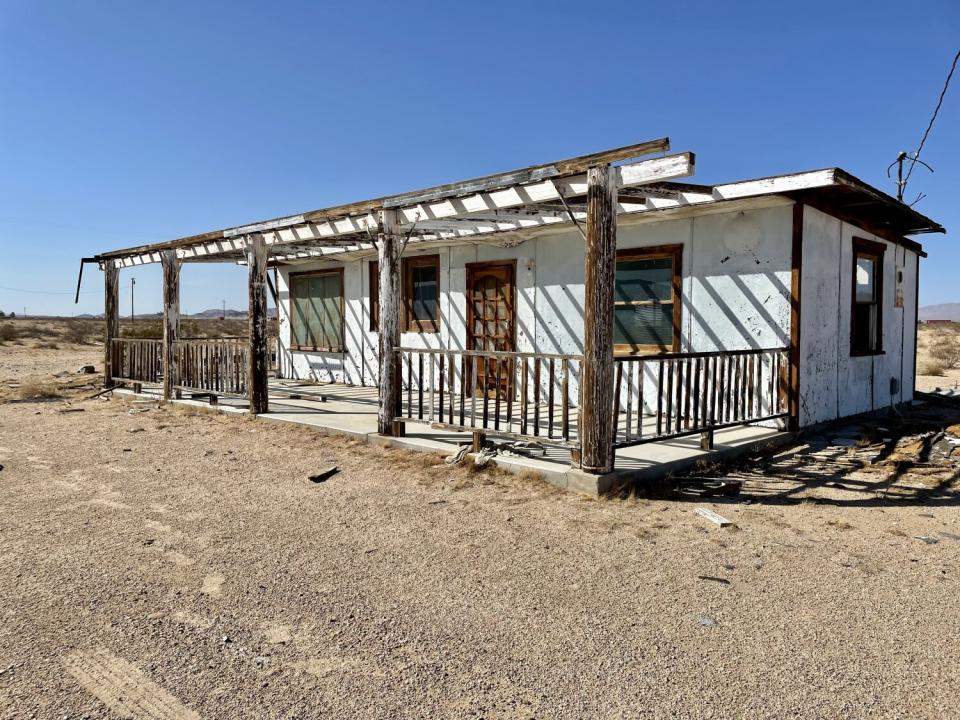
<point>111,317</point>
<point>258,361</point>
<point>170,265</point>
<point>388,247</point>
<point>596,389</point>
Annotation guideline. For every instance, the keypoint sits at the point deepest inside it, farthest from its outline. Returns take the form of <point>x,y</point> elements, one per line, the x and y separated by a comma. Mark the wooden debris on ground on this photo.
<point>324,475</point>
<point>713,517</point>
<point>728,488</point>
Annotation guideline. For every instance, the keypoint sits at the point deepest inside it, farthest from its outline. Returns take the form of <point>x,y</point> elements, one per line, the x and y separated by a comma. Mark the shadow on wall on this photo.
<point>732,311</point>
<point>734,315</point>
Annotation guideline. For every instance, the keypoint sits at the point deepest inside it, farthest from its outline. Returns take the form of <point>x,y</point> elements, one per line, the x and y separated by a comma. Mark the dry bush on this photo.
<point>947,351</point>
<point>931,367</point>
<point>19,331</point>
<point>150,329</point>
<point>38,390</point>
<point>79,332</point>
<point>190,328</point>
<point>530,475</point>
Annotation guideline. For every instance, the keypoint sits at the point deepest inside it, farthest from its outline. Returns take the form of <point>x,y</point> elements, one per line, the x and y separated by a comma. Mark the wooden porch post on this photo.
<point>793,371</point>
<point>257,312</point>
<point>596,383</point>
<point>389,268</point>
<point>111,315</point>
<point>170,265</point>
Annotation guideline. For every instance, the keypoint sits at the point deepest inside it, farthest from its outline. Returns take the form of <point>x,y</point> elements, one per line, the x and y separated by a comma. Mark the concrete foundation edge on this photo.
<point>570,479</point>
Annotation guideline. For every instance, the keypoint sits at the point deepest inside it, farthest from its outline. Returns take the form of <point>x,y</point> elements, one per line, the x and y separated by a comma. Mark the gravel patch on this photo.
<point>187,557</point>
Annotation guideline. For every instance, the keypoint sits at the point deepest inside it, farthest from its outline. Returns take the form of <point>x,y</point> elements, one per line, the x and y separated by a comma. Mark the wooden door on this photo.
<point>491,322</point>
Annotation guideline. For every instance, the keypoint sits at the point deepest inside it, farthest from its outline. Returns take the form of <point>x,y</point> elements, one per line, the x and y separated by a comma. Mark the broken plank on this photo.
<point>713,517</point>
<point>324,475</point>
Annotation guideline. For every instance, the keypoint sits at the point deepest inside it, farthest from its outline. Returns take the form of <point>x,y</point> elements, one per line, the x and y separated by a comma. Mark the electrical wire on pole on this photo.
<point>914,158</point>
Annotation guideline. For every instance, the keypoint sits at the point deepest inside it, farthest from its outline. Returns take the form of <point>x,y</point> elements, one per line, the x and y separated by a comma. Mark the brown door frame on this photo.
<point>472,269</point>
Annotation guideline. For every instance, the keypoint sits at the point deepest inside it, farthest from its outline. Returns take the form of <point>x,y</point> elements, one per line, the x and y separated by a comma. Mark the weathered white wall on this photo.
<point>731,299</point>
<point>832,383</point>
<point>736,295</point>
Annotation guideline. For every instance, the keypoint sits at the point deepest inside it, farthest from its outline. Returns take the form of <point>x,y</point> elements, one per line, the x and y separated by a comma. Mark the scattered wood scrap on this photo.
<point>728,488</point>
<point>325,475</point>
<point>713,517</point>
<point>711,578</point>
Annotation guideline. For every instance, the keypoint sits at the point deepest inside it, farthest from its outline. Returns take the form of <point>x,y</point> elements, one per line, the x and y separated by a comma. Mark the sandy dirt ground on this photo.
<point>163,562</point>
<point>928,338</point>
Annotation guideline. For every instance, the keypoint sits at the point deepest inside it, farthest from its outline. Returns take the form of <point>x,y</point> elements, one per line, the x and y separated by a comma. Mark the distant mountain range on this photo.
<point>946,311</point>
<point>212,314</point>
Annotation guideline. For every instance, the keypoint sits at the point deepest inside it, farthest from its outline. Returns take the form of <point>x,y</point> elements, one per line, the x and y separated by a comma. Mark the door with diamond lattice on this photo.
<point>491,322</point>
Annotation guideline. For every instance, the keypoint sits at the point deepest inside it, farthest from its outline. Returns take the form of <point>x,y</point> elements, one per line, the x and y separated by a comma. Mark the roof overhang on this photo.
<point>508,208</point>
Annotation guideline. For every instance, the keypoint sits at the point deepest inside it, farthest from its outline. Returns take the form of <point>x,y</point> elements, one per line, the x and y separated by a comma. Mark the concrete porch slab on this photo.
<point>352,412</point>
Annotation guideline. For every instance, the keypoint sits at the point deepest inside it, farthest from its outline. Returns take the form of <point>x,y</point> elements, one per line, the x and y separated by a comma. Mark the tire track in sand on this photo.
<point>123,688</point>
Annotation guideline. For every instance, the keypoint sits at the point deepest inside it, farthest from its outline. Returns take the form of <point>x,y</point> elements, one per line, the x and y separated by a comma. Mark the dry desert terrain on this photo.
<point>170,562</point>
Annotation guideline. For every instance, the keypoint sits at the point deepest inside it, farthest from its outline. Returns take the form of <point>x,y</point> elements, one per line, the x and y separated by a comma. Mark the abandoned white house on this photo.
<point>592,304</point>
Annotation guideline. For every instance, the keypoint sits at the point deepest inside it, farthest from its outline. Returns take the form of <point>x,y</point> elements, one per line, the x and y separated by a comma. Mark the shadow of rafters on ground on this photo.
<point>871,461</point>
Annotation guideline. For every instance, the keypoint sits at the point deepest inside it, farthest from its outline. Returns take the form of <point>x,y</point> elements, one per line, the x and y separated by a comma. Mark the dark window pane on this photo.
<point>648,324</point>
<point>316,304</point>
<point>424,285</point>
<point>300,311</point>
<point>644,279</point>
<point>864,337</point>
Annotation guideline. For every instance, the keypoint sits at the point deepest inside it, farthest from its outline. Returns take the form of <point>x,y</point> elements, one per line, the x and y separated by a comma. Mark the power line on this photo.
<point>48,292</point>
<point>82,292</point>
<point>916,156</point>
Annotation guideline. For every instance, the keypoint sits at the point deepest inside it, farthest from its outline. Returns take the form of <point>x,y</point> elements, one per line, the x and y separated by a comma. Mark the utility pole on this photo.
<point>901,156</point>
<point>133,281</point>
<point>223,315</point>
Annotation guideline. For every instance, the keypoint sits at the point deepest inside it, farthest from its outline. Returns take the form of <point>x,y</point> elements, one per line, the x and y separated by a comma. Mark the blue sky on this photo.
<point>123,123</point>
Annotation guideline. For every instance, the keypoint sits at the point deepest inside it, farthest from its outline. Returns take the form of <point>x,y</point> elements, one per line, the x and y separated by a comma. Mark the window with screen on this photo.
<point>647,300</point>
<point>421,287</point>
<point>866,313</point>
<point>316,303</point>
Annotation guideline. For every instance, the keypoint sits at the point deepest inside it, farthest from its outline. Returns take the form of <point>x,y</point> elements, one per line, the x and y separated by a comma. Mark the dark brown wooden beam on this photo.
<point>388,246</point>
<point>796,272</point>
<point>259,360</point>
<point>596,426</point>
<point>171,320</point>
<point>111,317</point>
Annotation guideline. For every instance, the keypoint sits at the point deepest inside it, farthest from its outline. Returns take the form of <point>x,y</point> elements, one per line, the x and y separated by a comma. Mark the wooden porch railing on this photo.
<point>525,396</point>
<point>136,360</point>
<point>676,394</point>
<point>214,365</point>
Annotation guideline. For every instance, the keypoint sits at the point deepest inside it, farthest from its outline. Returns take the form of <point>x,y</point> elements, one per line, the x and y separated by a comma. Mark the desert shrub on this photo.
<point>947,351</point>
<point>34,331</point>
<point>8,332</point>
<point>152,329</point>
<point>931,367</point>
<point>78,332</point>
<point>38,390</point>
